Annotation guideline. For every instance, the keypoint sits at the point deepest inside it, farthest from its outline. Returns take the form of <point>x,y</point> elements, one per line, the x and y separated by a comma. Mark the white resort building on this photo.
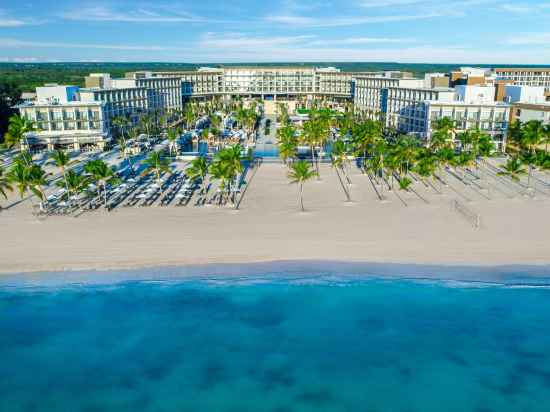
<point>64,121</point>
<point>70,116</point>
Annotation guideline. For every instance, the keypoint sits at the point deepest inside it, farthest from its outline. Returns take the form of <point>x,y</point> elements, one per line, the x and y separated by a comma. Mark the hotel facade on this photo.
<point>69,116</point>
<point>409,107</point>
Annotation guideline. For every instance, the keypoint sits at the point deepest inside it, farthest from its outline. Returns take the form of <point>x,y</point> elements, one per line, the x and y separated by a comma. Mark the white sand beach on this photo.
<point>269,227</point>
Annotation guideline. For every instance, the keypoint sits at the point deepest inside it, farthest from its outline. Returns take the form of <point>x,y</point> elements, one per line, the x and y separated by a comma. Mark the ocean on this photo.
<point>277,343</point>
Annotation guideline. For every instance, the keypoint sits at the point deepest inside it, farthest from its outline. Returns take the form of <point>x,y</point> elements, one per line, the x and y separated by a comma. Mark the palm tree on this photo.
<point>404,183</point>
<point>282,110</point>
<point>121,123</point>
<point>18,128</point>
<point>75,184</point>
<point>189,116</point>
<point>287,150</point>
<point>147,123</point>
<point>157,164</point>
<point>300,172</point>
<point>198,170</point>
<point>225,167</point>
<point>532,134</point>
<point>29,178</point>
<point>546,139</point>
<point>339,158</point>
<point>426,163</point>
<point>37,179</point>
<point>102,174</point>
<point>315,133</point>
<point>4,184</point>
<point>172,135</point>
<point>19,175</point>
<point>444,131</point>
<point>514,169</point>
<point>288,143</point>
<point>23,158</point>
<point>218,171</point>
<point>124,153</point>
<point>485,147</point>
<point>62,161</point>
<point>133,133</point>
<point>462,161</point>
<point>365,135</point>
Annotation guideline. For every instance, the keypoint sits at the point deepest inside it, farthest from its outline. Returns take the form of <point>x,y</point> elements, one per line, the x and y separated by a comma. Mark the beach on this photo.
<point>270,227</point>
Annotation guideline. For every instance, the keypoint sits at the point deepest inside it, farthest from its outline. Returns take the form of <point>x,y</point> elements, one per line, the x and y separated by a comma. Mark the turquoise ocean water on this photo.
<point>275,344</point>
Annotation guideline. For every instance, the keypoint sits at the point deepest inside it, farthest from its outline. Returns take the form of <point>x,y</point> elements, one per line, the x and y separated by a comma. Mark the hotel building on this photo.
<point>492,118</point>
<point>268,83</point>
<point>525,76</point>
<point>525,112</point>
<point>539,77</point>
<point>370,93</point>
<point>72,116</point>
<point>64,121</point>
<point>75,118</point>
<point>408,107</point>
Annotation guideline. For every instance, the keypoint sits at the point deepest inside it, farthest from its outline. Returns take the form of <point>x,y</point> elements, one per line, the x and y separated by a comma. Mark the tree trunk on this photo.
<point>66,183</point>
<point>131,166</point>
<point>302,196</point>
<point>348,198</point>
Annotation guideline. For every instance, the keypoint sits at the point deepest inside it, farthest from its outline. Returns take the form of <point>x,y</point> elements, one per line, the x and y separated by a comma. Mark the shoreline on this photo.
<point>331,270</point>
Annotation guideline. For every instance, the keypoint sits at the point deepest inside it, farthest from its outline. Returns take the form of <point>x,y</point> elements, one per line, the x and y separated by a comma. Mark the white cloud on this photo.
<point>301,21</point>
<point>389,3</point>
<point>140,15</point>
<point>7,21</point>
<point>19,59</point>
<point>361,41</point>
<point>417,54</point>
<point>15,43</point>
<point>525,8</point>
<point>427,3</point>
<point>240,41</point>
<point>237,41</point>
<point>530,39</point>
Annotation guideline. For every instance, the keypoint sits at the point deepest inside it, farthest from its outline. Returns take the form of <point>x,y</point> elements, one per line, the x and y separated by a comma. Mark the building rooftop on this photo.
<point>53,104</point>
<point>545,107</point>
<point>462,103</point>
<point>522,69</point>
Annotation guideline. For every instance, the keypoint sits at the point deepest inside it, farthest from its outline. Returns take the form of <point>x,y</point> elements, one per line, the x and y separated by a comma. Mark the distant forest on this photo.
<point>26,76</point>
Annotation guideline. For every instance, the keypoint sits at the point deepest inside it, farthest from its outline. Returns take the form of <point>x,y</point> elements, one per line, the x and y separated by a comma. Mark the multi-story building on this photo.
<point>73,117</point>
<point>64,122</point>
<point>404,109</point>
<point>127,102</point>
<point>525,77</point>
<point>368,95</point>
<point>470,76</point>
<point>166,92</point>
<point>492,118</point>
<point>266,82</point>
<point>524,94</point>
<point>408,107</point>
<point>525,112</point>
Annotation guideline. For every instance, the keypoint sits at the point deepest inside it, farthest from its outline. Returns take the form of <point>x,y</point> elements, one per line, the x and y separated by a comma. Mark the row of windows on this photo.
<point>43,115</point>
<point>60,126</point>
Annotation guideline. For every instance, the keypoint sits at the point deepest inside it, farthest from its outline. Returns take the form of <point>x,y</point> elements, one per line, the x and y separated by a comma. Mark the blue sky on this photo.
<point>436,31</point>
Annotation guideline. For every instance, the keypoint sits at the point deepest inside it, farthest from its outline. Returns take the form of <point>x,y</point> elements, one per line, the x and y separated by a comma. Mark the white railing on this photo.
<point>471,216</point>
